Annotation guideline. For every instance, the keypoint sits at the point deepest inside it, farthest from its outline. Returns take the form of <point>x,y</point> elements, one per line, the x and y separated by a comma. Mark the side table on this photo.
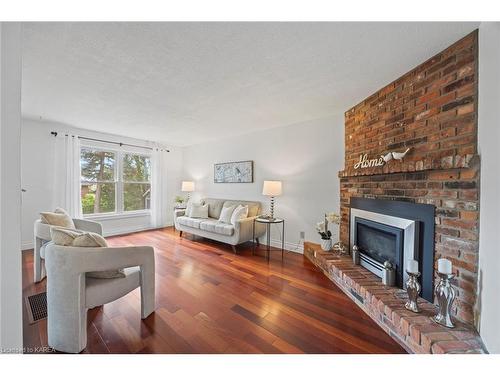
<point>268,223</point>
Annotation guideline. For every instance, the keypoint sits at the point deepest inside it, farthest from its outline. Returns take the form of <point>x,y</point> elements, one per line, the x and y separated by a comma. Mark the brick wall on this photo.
<point>433,110</point>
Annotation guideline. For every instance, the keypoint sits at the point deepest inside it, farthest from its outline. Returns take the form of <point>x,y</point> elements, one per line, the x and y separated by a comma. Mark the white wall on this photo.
<point>305,156</point>
<point>489,139</point>
<point>10,188</point>
<point>37,176</point>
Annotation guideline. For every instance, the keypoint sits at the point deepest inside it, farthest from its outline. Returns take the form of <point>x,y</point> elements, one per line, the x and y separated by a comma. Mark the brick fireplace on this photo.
<point>432,111</point>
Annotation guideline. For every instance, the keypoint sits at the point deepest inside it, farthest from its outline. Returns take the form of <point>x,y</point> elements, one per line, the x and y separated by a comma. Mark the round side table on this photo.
<point>268,223</point>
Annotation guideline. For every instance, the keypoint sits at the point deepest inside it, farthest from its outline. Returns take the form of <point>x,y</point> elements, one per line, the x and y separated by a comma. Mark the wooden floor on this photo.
<point>209,300</point>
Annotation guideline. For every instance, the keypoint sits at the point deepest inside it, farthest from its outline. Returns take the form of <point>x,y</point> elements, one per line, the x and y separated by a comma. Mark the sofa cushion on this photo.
<point>216,226</point>
<point>214,207</point>
<point>199,211</point>
<point>253,207</point>
<point>189,221</point>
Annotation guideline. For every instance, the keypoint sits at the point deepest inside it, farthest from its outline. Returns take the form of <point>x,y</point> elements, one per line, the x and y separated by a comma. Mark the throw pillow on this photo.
<point>239,213</point>
<point>189,207</point>
<point>58,218</point>
<point>199,211</point>
<point>76,238</point>
<point>226,213</point>
<point>63,236</point>
<point>89,240</point>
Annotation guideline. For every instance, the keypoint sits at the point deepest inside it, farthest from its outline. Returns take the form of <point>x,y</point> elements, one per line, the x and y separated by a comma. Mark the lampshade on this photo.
<point>271,188</point>
<point>187,186</point>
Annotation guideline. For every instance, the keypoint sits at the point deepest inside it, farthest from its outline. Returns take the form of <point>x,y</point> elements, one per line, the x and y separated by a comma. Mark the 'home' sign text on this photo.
<point>364,162</point>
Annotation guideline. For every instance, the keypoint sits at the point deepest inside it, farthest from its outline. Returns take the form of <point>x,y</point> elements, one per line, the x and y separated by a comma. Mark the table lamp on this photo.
<point>188,187</point>
<point>271,189</point>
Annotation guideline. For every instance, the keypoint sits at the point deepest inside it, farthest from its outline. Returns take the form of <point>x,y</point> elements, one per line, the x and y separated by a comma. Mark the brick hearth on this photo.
<point>417,333</point>
<point>433,110</point>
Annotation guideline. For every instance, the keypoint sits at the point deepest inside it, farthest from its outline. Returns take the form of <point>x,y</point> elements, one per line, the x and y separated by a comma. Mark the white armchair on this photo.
<point>42,237</point>
<point>70,293</point>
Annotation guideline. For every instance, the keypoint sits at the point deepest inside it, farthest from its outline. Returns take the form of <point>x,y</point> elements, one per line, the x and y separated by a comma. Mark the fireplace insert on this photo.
<point>379,243</point>
<point>394,231</point>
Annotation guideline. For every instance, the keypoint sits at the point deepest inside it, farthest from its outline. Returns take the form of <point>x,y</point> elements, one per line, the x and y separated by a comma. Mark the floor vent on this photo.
<point>37,307</point>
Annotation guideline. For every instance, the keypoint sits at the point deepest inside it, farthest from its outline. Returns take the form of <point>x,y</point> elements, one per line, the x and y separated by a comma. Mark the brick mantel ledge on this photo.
<point>417,333</point>
<point>427,164</point>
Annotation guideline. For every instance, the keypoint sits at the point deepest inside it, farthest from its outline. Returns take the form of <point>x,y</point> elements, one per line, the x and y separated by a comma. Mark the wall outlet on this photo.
<point>302,235</point>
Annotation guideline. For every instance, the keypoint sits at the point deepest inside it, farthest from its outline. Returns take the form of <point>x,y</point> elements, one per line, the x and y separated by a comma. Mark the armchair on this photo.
<point>42,237</point>
<point>70,293</point>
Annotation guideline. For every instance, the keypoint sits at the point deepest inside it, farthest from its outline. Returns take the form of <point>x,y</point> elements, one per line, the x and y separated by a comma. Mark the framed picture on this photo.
<point>236,171</point>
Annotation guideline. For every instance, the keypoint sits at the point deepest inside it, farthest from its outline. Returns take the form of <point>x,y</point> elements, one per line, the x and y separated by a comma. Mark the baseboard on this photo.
<point>289,246</point>
<point>28,245</point>
<point>122,231</point>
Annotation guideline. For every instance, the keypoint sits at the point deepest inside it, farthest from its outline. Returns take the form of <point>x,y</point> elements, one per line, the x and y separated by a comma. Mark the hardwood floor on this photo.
<point>210,300</point>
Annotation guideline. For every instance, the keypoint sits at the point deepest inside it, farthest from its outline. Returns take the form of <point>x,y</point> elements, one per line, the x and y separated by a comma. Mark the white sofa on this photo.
<point>42,238</point>
<point>211,228</point>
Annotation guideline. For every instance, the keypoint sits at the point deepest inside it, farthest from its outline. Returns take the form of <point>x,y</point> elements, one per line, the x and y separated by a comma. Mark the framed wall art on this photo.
<point>234,172</point>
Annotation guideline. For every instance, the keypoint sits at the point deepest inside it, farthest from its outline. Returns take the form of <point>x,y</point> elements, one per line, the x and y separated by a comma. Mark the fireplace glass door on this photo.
<point>379,243</point>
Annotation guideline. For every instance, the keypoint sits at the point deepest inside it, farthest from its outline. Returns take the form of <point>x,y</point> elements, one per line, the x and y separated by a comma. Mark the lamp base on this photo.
<point>271,213</point>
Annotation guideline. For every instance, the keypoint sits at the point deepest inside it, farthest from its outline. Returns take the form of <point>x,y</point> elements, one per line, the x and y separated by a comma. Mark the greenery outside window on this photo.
<point>114,181</point>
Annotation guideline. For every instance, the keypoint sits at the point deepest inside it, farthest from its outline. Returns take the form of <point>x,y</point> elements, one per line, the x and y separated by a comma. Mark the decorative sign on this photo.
<point>364,162</point>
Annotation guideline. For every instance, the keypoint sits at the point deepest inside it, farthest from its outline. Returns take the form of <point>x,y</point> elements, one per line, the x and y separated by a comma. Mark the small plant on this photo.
<point>322,227</point>
<point>324,233</point>
<point>179,199</point>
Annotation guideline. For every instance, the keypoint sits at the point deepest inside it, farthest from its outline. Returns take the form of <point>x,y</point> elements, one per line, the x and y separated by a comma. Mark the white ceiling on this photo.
<point>186,83</point>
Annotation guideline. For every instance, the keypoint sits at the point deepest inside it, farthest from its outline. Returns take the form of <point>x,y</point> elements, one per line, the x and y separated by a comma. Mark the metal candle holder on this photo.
<point>445,294</point>
<point>413,290</point>
<point>388,274</point>
<point>355,254</point>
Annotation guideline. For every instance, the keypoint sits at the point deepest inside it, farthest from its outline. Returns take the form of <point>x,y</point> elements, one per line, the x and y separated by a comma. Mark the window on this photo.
<point>114,181</point>
<point>136,182</point>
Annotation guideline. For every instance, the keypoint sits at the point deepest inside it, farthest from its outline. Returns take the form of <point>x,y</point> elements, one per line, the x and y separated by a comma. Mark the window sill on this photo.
<point>114,216</point>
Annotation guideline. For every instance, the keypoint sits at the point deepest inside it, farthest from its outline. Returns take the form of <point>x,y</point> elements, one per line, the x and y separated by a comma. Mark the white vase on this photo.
<point>326,245</point>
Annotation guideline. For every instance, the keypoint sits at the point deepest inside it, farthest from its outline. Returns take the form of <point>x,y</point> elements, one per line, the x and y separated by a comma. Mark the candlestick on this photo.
<point>413,290</point>
<point>444,266</point>
<point>388,274</point>
<point>445,294</point>
<point>412,266</point>
<point>355,254</point>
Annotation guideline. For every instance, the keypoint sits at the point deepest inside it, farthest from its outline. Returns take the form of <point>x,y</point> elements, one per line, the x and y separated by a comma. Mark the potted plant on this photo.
<point>324,232</point>
<point>179,201</point>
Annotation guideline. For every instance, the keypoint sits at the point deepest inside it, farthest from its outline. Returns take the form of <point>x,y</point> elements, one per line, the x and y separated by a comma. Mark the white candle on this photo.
<point>412,266</point>
<point>444,266</point>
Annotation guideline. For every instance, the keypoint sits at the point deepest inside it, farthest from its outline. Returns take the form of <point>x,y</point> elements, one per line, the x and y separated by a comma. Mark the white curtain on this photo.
<point>67,188</point>
<point>159,203</point>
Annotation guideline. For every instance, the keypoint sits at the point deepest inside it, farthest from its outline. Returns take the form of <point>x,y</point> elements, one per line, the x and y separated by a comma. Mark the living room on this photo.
<point>250,188</point>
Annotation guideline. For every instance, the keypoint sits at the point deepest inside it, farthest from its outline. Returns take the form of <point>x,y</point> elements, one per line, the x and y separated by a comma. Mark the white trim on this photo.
<point>115,216</point>
<point>410,240</point>
<point>28,245</point>
<point>289,246</point>
<point>130,230</point>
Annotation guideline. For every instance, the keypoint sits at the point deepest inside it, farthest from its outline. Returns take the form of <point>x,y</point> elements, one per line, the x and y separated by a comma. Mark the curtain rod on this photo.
<point>54,133</point>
